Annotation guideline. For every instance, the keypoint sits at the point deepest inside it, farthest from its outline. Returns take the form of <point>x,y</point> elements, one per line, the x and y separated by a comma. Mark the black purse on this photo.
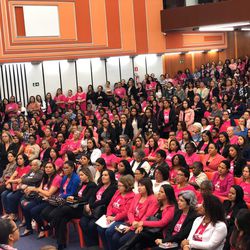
<point>56,201</point>
<point>152,230</point>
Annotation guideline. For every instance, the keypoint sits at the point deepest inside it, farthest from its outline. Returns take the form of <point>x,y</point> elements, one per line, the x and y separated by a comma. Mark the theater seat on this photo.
<point>248,205</point>
<point>76,223</point>
<point>209,175</point>
<point>237,180</point>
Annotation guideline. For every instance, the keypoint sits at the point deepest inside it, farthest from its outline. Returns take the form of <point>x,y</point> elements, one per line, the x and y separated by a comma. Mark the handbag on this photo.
<point>152,229</point>
<point>56,201</point>
<point>32,196</point>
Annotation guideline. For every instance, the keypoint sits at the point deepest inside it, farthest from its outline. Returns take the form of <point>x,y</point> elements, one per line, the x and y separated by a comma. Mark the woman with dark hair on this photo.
<point>81,98</point>
<point>100,166</point>
<point>126,153</point>
<point>191,156</point>
<point>125,127</point>
<point>60,99</point>
<point>143,205</point>
<point>178,161</point>
<point>209,230</point>
<point>212,159</point>
<point>202,147</point>
<point>205,124</point>
<point>139,174</point>
<point>50,105</point>
<point>198,108</point>
<point>173,149</point>
<point>244,147</point>
<point>110,158</point>
<point>97,207</point>
<point>150,152</point>
<point>167,207</point>
<point>186,138</point>
<point>56,159</point>
<point>222,179</point>
<point>149,125</point>
<point>117,209</point>
<point>223,144</point>
<point>32,206</point>
<point>186,114</point>
<point>240,236</point>
<point>245,184</point>
<point>106,133</point>
<point>9,234</point>
<point>232,206</point>
<point>91,94</point>
<point>166,119</point>
<point>136,122</point>
<point>10,195</point>
<point>93,150</point>
<point>123,168</point>
<point>161,175</point>
<point>237,162</point>
<point>100,96</point>
<point>179,228</point>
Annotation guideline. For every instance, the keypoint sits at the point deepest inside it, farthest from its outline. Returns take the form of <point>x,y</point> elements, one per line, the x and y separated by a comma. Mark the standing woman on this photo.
<point>125,127</point>
<point>71,100</point>
<point>6,146</point>
<point>60,99</point>
<point>97,207</point>
<point>149,125</point>
<point>91,94</point>
<point>81,98</point>
<point>136,122</point>
<point>166,120</point>
<point>106,133</point>
<point>41,102</point>
<point>209,230</point>
<point>50,105</point>
<point>186,114</point>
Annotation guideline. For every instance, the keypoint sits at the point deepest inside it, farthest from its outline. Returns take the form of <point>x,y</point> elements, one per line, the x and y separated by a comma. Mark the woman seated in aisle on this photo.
<point>236,160</point>
<point>212,159</point>
<point>23,168</point>
<point>245,184</point>
<point>34,200</point>
<point>182,222</point>
<point>240,235</point>
<point>149,230</point>
<point>117,209</point>
<point>232,206</point>
<point>9,234</point>
<point>97,207</point>
<point>182,178</point>
<point>143,205</point>
<point>222,179</point>
<point>209,231</point>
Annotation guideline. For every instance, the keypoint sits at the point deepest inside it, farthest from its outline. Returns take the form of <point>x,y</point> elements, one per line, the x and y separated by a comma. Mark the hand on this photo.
<point>70,198</point>
<point>158,241</point>
<point>110,219</point>
<point>140,223</point>
<point>87,208</point>
<point>135,224</point>
<point>138,230</point>
<point>127,229</point>
<point>184,243</point>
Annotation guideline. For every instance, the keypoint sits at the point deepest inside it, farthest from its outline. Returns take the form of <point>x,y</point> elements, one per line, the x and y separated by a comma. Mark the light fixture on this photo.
<point>213,50</point>
<point>215,29</point>
<point>195,52</point>
<point>173,53</point>
<point>245,29</point>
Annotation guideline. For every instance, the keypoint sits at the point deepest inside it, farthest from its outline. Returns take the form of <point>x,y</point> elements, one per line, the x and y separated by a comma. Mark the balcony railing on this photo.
<point>168,4</point>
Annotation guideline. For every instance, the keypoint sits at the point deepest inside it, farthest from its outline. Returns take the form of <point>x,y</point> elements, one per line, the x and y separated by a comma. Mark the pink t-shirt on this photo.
<point>22,171</point>
<point>81,97</point>
<point>178,225</point>
<point>121,92</point>
<point>234,139</point>
<point>61,98</point>
<point>117,204</point>
<point>137,211</point>
<point>55,183</point>
<point>225,125</point>
<point>109,159</point>
<point>199,232</point>
<point>191,159</point>
<point>178,190</point>
<point>100,193</point>
<point>150,88</point>
<point>246,188</point>
<point>71,99</point>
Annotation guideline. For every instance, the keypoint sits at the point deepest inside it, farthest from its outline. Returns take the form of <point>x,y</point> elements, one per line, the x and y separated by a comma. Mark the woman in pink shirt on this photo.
<point>182,178</point>
<point>165,214</point>
<point>117,209</point>
<point>55,159</point>
<point>143,205</point>
<point>120,91</point>
<point>174,148</point>
<point>186,114</point>
<point>71,100</point>
<point>60,99</point>
<point>245,184</point>
<point>110,158</point>
<point>81,98</point>
<point>222,179</point>
<point>190,155</point>
<point>211,160</point>
<point>151,150</point>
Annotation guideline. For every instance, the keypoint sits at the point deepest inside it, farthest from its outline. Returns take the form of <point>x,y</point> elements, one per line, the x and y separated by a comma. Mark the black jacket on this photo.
<point>185,229</point>
<point>87,193</point>
<point>129,131</point>
<point>239,164</point>
<point>106,196</point>
<point>172,119</point>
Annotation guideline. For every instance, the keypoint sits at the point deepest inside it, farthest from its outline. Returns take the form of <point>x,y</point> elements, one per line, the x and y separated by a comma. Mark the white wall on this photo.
<point>116,67</point>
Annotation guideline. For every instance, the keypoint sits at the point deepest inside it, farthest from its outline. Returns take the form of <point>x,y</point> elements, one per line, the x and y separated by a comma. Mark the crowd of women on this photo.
<point>165,162</point>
